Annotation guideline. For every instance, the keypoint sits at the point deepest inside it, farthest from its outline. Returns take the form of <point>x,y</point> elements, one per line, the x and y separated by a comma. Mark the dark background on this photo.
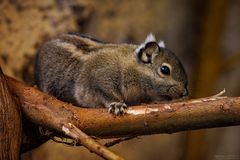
<point>204,34</point>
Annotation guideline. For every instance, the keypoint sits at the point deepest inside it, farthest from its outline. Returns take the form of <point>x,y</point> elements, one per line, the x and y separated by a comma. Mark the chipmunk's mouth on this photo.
<point>176,92</point>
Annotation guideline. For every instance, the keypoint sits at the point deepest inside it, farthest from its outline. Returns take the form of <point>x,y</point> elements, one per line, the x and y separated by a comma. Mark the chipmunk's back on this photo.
<point>60,62</point>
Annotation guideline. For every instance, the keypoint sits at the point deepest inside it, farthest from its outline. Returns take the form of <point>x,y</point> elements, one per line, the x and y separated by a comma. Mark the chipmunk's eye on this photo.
<point>165,70</point>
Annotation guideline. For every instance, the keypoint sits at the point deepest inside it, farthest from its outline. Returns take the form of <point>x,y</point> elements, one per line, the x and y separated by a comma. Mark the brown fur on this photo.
<point>89,73</point>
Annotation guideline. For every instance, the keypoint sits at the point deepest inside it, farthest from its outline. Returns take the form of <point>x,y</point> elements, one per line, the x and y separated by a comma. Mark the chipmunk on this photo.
<point>89,73</point>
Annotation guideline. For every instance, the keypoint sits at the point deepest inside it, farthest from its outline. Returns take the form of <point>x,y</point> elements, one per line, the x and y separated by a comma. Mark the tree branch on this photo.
<point>139,120</point>
<point>88,142</point>
<point>53,114</point>
<point>10,123</point>
<point>68,128</point>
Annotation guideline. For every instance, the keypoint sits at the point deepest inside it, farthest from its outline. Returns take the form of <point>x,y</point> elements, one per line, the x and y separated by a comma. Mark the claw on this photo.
<point>117,108</point>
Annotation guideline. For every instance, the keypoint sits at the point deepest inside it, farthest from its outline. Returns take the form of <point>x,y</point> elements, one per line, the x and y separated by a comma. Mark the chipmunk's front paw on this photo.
<point>117,108</point>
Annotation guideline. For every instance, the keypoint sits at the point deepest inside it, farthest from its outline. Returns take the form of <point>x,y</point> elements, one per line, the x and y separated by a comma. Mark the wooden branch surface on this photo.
<point>139,120</point>
<point>88,142</point>
<point>10,123</point>
<point>68,129</point>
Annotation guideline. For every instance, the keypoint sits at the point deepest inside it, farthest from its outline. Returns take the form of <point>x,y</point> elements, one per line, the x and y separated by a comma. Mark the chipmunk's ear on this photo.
<point>145,52</point>
<point>161,44</point>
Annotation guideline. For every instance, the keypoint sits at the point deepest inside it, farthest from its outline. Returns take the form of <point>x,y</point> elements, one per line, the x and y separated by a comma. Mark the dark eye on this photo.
<point>165,70</point>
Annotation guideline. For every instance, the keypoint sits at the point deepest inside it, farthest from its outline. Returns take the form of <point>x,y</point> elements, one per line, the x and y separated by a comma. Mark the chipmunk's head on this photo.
<point>168,78</point>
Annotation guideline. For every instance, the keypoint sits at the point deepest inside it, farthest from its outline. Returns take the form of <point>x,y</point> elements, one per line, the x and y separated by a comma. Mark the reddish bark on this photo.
<point>139,120</point>
<point>10,123</point>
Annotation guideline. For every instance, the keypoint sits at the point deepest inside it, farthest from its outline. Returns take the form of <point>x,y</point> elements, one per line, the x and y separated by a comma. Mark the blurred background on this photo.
<point>204,34</point>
